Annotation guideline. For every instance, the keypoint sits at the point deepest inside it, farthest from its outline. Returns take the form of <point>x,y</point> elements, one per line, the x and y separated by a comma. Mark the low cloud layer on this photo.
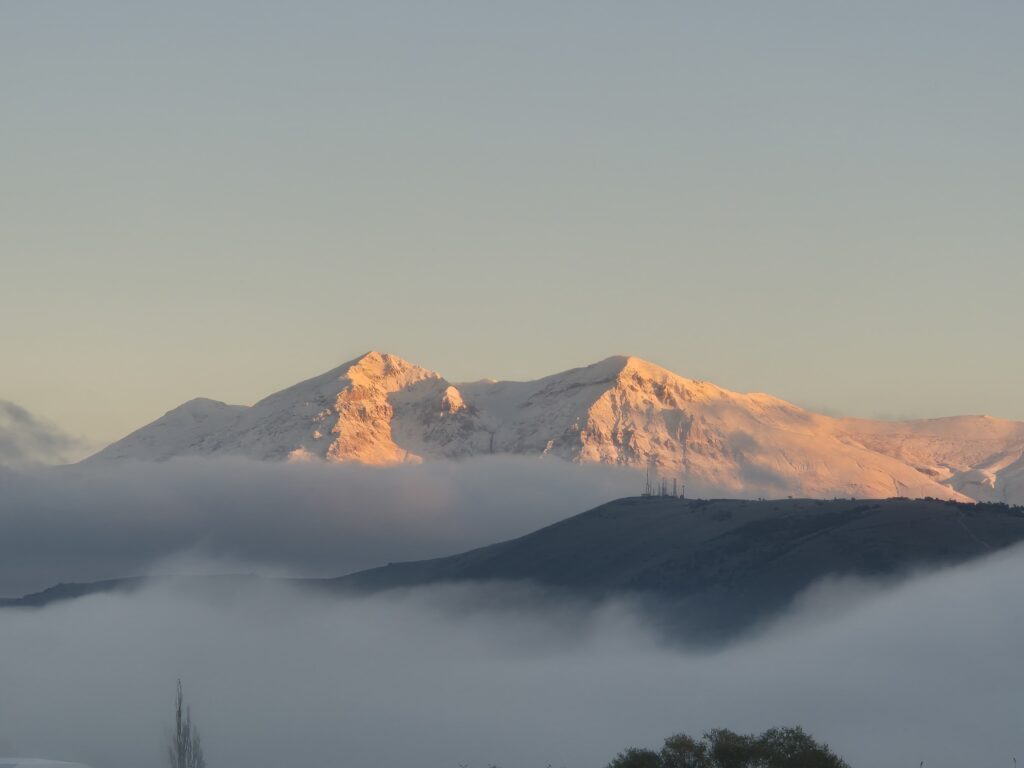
<point>100,521</point>
<point>889,675</point>
<point>929,670</point>
<point>27,440</point>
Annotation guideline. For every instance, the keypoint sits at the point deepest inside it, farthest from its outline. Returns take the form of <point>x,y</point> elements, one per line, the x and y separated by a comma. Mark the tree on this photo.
<point>794,748</point>
<point>682,751</point>
<point>731,750</point>
<point>722,748</point>
<point>186,749</point>
<point>636,758</point>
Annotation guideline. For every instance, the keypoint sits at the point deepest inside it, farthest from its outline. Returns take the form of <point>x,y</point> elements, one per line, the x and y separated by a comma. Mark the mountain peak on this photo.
<point>380,409</point>
<point>617,365</point>
<point>631,365</point>
<point>647,369</point>
<point>375,366</point>
<point>376,356</point>
<point>362,370</point>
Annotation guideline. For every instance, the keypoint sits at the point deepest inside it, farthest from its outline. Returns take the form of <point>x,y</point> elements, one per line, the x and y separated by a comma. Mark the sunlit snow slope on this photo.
<point>380,409</point>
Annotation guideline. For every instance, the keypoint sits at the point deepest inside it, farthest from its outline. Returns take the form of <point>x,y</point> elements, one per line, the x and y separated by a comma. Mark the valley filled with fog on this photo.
<point>511,384</point>
<point>85,523</point>
<point>479,675</point>
<point>888,672</point>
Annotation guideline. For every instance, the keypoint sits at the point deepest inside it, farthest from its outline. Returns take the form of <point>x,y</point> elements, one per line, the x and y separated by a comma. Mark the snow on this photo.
<point>380,409</point>
<point>977,455</point>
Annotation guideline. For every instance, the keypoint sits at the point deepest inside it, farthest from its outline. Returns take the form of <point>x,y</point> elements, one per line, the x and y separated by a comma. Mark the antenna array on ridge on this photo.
<point>658,487</point>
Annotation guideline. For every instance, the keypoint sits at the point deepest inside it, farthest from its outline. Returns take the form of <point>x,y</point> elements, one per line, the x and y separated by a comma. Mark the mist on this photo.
<point>108,520</point>
<point>887,673</point>
<point>926,670</point>
<point>28,440</point>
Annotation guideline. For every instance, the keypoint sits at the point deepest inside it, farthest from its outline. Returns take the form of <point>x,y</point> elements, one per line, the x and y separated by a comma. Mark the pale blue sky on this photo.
<point>823,201</point>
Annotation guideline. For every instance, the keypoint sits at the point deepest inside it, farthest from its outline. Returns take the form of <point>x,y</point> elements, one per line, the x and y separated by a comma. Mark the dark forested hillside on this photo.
<point>721,565</point>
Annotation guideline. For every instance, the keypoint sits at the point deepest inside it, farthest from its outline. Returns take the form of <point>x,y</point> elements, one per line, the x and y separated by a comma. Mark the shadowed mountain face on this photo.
<point>707,570</point>
<point>714,568</point>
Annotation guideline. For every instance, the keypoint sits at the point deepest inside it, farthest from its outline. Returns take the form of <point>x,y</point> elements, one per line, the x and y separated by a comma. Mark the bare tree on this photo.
<point>186,749</point>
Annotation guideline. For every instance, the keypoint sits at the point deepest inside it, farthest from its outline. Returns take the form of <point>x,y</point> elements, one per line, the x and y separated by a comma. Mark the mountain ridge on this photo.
<point>379,409</point>
<point>720,566</point>
<point>707,569</point>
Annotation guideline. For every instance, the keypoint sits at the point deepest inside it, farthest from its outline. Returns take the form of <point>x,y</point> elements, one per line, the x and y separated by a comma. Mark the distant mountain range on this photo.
<point>706,570</point>
<point>380,409</point>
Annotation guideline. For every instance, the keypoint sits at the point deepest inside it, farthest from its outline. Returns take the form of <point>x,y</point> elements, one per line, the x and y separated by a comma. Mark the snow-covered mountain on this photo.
<point>380,409</point>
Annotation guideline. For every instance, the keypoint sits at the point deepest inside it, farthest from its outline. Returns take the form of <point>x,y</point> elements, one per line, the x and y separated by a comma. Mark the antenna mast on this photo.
<point>649,485</point>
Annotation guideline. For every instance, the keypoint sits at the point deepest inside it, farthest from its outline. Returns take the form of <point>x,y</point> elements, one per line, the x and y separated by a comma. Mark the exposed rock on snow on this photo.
<point>380,409</point>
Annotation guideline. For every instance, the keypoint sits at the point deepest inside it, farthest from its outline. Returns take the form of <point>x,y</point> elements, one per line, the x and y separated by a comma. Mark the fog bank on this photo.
<point>928,670</point>
<point>98,521</point>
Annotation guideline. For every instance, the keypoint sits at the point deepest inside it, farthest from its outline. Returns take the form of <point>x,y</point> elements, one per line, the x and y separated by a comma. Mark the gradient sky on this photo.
<point>823,201</point>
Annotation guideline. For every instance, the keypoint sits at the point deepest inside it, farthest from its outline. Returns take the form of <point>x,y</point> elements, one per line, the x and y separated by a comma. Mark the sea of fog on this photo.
<point>889,674</point>
<point>926,670</point>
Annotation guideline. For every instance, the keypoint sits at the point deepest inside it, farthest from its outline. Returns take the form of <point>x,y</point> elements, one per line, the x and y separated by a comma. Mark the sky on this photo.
<point>820,201</point>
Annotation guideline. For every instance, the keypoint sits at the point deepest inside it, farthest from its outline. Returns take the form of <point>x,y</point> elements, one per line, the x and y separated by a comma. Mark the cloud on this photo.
<point>927,670</point>
<point>26,439</point>
<point>97,521</point>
